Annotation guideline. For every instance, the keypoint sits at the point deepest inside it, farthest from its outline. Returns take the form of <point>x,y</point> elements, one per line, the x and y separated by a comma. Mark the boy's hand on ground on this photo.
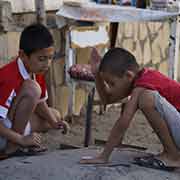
<point>33,139</point>
<point>93,160</point>
<point>64,126</point>
<point>94,60</point>
<point>55,124</point>
<point>60,124</point>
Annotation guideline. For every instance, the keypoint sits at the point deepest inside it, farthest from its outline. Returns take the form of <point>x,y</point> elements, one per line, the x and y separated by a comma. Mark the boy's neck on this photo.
<point>137,74</point>
<point>31,75</point>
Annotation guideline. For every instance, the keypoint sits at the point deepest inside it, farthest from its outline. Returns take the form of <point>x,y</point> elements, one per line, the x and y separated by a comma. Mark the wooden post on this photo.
<point>5,16</point>
<point>172,48</point>
<point>40,11</point>
<point>176,55</point>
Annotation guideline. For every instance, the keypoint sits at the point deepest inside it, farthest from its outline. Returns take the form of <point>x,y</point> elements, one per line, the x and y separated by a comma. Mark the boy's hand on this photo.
<point>59,123</point>
<point>95,60</point>
<point>93,160</point>
<point>64,126</point>
<point>33,139</point>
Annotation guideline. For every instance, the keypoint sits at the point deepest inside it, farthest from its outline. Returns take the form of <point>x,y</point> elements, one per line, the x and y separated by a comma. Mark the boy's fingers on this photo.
<point>66,124</point>
<point>66,127</point>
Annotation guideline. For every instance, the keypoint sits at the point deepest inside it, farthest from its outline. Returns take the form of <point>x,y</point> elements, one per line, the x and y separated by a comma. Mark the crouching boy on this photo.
<point>157,96</point>
<point>23,108</point>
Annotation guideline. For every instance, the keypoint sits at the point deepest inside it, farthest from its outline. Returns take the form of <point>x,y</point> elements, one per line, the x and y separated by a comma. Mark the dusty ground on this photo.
<point>139,133</point>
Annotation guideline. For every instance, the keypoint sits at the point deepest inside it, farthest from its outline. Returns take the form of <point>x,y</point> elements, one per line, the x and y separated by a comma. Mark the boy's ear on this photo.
<point>22,54</point>
<point>130,74</point>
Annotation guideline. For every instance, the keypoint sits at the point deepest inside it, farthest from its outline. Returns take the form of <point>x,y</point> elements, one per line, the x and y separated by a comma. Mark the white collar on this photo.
<point>22,69</point>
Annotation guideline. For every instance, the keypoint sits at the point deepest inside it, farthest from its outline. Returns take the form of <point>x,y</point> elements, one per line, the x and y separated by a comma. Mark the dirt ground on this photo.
<point>139,132</point>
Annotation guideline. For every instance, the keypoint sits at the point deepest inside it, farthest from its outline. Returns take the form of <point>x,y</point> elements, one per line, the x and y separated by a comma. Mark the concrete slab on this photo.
<point>63,165</point>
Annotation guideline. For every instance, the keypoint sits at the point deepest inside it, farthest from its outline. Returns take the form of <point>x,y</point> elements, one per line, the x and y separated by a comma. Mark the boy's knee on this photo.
<point>146,100</point>
<point>31,89</point>
<point>56,112</point>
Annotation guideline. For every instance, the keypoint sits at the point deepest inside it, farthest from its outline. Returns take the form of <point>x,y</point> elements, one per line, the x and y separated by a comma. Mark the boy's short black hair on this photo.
<point>35,37</point>
<point>117,60</point>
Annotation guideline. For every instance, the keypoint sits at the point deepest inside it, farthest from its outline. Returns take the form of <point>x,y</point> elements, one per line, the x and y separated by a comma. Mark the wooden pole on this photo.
<point>40,11</point>
<point>176,55</point>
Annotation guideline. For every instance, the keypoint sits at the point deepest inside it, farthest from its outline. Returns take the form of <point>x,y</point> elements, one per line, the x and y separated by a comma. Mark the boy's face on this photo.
<point>39,61</point>
<point>119,87</point>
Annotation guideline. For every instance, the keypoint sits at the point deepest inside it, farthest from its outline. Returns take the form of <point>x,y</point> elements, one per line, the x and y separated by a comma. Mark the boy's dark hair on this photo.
<point>35,37</point>
<point>117,60</point>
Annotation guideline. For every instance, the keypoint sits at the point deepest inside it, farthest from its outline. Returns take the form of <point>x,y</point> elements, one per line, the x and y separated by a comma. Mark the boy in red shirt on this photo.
<point>158,97</point>
<point>23,94</point>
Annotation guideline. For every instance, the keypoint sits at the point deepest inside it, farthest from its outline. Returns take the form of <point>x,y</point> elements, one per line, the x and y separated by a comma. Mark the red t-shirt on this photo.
<point>12,76</point>
<point>154,80</point>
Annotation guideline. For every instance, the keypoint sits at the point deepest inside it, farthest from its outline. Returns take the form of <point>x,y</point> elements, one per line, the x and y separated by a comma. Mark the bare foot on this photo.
<point>169,160</point>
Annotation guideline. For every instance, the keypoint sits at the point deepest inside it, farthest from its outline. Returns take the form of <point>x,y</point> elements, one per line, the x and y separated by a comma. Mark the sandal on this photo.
<point>152,162</point>
<point>22,152</point>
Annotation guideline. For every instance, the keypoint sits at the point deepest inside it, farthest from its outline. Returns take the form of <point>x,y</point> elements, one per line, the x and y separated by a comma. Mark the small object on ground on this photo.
<point>87,157</point>
<point>68,146</point>
<point>114,164</point>
<point>152,162</point>
<point>21,152</point>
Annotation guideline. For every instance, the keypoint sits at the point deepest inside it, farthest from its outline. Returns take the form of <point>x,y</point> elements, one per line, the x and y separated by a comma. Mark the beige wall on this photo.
<point>149,42</point>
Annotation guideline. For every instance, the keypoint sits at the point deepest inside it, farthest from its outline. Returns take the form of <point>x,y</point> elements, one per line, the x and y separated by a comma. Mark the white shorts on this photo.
<point>8,124</point>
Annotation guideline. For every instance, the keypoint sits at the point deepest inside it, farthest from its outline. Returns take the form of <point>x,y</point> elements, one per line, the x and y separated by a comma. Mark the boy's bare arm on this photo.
<point>43,111</point>
<point>119,128</point>
<point>10,135</point>
<point>121,125</point>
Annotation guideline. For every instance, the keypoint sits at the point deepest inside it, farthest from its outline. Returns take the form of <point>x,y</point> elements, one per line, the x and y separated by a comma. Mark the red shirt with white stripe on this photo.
<point>154,80</point>
<point>12,76</point>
